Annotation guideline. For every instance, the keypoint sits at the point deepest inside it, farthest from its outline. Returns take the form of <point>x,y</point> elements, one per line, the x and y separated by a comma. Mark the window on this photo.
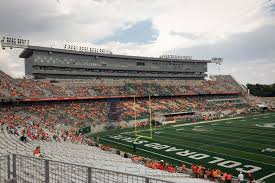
<point>140,64</point>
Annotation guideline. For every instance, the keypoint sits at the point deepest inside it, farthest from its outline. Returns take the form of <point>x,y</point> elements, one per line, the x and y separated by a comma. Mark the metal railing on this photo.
<point>4,168</point>
<point>21,169</point>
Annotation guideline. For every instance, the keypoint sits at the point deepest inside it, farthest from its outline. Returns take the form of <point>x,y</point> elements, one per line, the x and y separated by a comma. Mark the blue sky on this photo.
<point>141,32</point>
<point>241,32</point>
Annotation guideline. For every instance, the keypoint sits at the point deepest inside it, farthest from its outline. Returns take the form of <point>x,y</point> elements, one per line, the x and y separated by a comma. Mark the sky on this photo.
<point>240,32</point>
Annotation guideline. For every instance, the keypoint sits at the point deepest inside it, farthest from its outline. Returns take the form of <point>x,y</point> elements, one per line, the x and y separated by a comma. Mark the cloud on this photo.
<point>251,52</point>
<point>253,72</point>
<point>10,65</point>
<point>238,47</point>
<point>184,34</point>
<point>239,31</point>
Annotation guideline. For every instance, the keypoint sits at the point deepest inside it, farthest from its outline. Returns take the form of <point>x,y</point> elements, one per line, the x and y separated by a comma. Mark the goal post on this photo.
<point>150,130</point>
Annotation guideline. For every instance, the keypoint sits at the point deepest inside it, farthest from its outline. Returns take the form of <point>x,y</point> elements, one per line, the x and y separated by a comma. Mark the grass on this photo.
<point>231,145</point>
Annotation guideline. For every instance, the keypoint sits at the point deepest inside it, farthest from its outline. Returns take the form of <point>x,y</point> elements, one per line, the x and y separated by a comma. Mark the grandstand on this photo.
<point>66,91</point>
<point>52,63</point>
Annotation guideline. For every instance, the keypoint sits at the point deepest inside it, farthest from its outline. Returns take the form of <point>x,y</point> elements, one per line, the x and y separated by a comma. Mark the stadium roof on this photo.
<point>27,52</point>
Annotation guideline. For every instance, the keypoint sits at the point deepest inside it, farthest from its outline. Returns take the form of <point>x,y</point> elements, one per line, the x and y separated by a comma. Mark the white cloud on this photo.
<point>254,73</point>
<point>10,63</point>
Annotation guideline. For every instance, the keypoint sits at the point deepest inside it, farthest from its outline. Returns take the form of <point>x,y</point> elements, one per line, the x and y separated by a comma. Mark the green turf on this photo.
<point>240,140</point>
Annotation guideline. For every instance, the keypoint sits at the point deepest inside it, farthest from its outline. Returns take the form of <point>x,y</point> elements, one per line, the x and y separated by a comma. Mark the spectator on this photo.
<point>224,176</point>
<point>125,155</point>
<point>37,152</point>
<point>228,178</point>
<point>23,138</point>
<point>250,177</point>
<point>241,177</point>
<point>183,168</point>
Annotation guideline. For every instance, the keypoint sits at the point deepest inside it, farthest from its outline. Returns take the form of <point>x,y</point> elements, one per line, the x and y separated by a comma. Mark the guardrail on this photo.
<point>19,168</point>
<point>4,168</point>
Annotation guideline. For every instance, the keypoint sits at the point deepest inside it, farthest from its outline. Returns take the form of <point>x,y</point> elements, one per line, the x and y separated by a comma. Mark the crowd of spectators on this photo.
<point>197,171</point>
<point>118,87</point>
<point>92,113</point>
<point>30,127</point>
<point>127,110</point>
<point>11,87</point>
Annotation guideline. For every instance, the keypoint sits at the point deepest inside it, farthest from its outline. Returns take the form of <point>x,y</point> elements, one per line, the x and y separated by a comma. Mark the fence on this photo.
<point>22,169</point>
<point>4,168</point>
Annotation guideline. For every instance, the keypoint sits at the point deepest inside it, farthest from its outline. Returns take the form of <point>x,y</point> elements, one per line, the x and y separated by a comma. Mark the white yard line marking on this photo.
<point>211,121</point>
<point>214,145</point>
<point>203,122</point>
<point>149,151</point>
<point>225,142</point>
<point>213,152</point>
<point>265,177</point>
<point>137,131</point>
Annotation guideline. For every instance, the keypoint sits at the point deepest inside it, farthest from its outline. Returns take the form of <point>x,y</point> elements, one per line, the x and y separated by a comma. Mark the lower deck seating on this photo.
<point>76,154</point>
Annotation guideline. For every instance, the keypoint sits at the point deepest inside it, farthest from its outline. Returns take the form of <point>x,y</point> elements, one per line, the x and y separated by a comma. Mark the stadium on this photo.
<point>89,115</point>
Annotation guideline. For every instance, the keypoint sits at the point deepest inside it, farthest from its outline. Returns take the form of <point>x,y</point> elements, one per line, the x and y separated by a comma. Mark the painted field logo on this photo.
<point>186,153</point>
<point>266,125</point>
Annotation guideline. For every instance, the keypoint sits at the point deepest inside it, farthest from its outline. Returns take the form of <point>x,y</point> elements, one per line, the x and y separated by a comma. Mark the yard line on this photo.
<point>148,151</point>
<point>213,152</point>
<point>205,133</point>
<point>203,122</point>
<point>251,127</point>
<point>217,120</point>
<point>151,152</point>
<point>265,177</point>
<point>214,145</point>
<point>216,142</point>
<point>236,131</point>
<point>136,131</point>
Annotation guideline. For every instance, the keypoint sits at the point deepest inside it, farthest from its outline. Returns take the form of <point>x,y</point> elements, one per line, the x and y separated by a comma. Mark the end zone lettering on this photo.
<point>192,154</point>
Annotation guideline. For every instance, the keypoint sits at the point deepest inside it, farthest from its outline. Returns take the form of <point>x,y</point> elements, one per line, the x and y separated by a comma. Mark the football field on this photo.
<point>231,145</point>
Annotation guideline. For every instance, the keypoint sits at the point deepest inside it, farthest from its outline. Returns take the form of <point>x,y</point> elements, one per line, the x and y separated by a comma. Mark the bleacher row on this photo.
<point>10,87</point>
<point>90,156</point>
<point>94,112</point>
